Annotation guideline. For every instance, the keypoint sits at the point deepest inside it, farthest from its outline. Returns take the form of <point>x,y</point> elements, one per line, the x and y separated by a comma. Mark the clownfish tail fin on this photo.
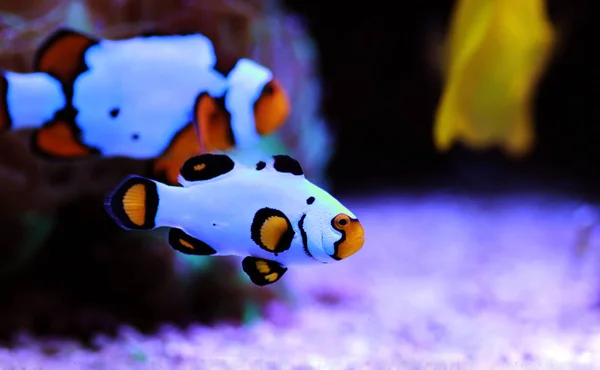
<point>133,204</point>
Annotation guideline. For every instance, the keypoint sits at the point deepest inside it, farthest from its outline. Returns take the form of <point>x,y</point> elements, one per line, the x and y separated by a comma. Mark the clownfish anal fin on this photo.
<point>262,271</point>
<point>5,119</point>
<point>183,146</point>
<point>206,167</point>
<point>286,164</point>
<point>62,54</point>
<point>271,230</point>
<point>59,139</point>
<point>272,108</point>
<point>187,244</point>
<point>213,123</point>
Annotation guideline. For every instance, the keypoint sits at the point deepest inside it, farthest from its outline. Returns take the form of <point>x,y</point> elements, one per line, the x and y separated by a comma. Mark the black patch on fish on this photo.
<point>262,271</point>
<point>114,113</point>
<point>117,208</point>
<point>262,230</point>
<point>5,119</point>
<point>267,90</point>
<point>206,166</point>
<point>286,164</point>
<point>304,236</point>
<point>187,244</point>
<point>260,165</point>
<point>310,200</point>
<point>135,137</point>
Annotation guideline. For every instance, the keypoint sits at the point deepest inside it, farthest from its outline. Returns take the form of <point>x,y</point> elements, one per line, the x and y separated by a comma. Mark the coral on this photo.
<point>65,268</point>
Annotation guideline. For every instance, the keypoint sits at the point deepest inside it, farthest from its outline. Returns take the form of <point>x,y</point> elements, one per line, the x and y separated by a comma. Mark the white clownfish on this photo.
<point>269,214</point>
<point>147,97</point>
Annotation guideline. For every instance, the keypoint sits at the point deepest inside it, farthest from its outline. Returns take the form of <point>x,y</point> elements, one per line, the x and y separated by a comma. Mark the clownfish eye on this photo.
<point>341,221</point>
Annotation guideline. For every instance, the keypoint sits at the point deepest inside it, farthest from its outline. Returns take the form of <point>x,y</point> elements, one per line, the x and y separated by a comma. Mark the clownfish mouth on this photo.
<point>304,237</point>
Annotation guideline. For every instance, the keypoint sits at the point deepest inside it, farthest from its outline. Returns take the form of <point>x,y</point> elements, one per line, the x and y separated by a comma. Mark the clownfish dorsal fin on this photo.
<point>213,123</point>
<point>62,54</point>
<point>205,167</point>
<point>283,164</point>
<point>59,139</point>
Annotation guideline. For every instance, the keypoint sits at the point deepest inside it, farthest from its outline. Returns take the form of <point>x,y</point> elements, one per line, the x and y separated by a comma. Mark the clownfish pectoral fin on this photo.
<point>133,204</point>
<point>187,244</point>
<point>62,55</point>
<point>262,271</point>
<point>183,146</point>
<point>5,119</point>
<point>206,167</point>
<point>213,123</point>
<point>58,139</point>
<point>271,230</point>
<point>272,108</point>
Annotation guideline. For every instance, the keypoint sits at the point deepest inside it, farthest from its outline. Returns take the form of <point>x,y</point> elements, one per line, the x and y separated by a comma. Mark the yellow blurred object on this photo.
<point>497,52</point>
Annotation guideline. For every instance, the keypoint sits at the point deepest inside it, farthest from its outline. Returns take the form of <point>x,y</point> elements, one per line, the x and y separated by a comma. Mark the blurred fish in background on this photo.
<point>64,263</point>
<point>494,56</point>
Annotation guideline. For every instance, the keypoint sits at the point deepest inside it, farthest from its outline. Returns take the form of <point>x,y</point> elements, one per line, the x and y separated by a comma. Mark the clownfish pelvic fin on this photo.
<point>263,271</point>
<point>184,243</point>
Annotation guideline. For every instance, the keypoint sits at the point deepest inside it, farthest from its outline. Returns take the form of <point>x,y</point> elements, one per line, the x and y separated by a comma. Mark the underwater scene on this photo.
<point>286,184</point>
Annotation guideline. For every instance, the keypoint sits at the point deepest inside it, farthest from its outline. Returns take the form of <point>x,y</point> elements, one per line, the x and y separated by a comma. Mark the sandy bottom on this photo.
<point>442,282</point>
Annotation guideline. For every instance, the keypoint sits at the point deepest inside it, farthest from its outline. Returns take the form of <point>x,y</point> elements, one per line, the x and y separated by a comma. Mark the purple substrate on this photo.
<point>467,283</point>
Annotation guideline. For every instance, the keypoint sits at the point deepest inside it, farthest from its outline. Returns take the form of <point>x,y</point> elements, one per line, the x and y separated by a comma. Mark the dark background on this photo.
<point>381,91</point>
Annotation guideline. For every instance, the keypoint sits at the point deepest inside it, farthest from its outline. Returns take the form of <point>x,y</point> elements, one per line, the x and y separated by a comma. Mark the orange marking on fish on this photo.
<point>214,125</point>
<point>353,236</point>
<point>186,244</point>
<point>134,204</point>
<point>183,146</point>
<point>271,109</point>
<point>59,140</point>
<point>63,57</point>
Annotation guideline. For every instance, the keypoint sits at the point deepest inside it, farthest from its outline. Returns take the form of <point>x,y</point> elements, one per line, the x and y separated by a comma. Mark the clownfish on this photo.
<point>270,214</point>
<point>146,97</point>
